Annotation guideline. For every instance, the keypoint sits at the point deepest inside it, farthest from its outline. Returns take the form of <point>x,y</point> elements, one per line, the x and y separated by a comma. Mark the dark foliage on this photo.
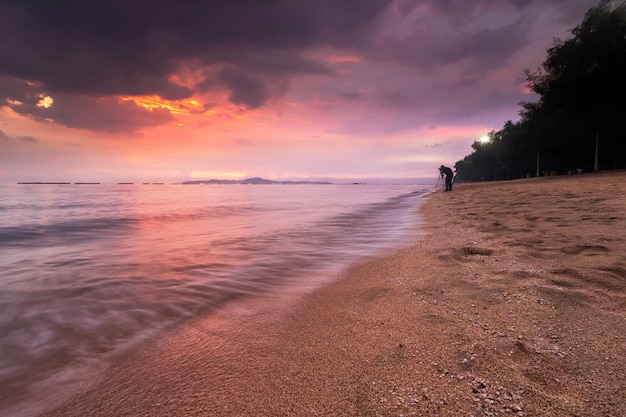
<point>581,108</point>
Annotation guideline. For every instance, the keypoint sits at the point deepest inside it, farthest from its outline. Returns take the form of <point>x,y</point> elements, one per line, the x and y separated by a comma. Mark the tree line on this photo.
<point>578,124</point>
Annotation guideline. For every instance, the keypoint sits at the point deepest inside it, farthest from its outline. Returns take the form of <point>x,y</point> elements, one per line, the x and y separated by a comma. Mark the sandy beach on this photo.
<point>513,302</point>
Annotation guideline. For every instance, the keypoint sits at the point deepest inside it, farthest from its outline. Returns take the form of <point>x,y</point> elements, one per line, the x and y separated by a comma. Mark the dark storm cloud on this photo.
<point>86,53</point>
<point>245,90</point>
<point>104,114</point>
<point>78,110</point>
<point>427,50</point>
<point>106,48</point>
<point>450,31</point>
<point>460,11</point>
<point>485,32</point>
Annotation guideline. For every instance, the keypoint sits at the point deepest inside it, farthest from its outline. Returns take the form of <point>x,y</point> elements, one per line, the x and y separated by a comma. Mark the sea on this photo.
<point>90,270</point>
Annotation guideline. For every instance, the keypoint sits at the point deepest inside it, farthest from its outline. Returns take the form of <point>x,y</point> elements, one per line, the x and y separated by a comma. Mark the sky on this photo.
<point>341,90</point>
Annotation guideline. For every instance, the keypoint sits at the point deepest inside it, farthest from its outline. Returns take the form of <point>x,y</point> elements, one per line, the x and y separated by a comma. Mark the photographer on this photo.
<point>444,170</point>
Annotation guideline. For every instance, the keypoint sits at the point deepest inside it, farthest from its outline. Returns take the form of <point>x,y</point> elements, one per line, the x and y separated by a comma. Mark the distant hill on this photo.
<point>255,180</point>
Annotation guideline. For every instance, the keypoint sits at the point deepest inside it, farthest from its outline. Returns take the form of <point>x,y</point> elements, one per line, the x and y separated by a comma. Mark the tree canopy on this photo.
<point>579,120</point>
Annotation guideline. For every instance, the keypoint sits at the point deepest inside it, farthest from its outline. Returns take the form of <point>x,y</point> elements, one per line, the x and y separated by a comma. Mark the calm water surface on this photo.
<point>88,270</point>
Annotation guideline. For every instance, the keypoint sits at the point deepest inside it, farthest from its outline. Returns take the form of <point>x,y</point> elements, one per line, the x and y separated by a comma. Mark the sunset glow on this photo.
<point>178,107</point>
<point>337,59</point>
<point>389,93</point>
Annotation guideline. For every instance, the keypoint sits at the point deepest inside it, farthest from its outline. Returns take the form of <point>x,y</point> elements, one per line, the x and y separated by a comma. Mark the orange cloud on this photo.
<point>178,107</point>
<point>340,59</point>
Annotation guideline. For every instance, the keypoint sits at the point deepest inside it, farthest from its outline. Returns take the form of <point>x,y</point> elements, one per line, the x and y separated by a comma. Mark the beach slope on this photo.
<point>512,303</point>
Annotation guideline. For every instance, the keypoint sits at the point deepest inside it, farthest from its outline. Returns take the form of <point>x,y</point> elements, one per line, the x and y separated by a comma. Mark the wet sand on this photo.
<point>512,303</point>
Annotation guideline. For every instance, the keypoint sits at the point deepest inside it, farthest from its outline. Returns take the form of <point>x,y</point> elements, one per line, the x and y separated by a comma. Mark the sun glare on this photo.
<point>45,102</point>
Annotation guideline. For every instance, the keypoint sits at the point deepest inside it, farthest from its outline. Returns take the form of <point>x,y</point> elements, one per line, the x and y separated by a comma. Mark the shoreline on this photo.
<point>512,302</point>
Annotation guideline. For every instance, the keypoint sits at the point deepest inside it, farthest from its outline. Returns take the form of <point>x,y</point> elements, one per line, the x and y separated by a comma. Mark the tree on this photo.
<point>582,96</point>
<point>583,89</point>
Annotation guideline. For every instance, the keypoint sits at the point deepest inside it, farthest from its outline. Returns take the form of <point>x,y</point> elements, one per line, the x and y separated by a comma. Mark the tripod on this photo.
<point>437,185</point>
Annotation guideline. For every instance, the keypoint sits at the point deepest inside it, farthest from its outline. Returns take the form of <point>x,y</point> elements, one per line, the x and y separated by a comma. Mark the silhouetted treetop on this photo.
<point>582,99</point>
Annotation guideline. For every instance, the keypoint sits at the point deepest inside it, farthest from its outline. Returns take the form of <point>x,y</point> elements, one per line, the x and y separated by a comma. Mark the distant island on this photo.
<point>255,180</point>
<point>42,183</point>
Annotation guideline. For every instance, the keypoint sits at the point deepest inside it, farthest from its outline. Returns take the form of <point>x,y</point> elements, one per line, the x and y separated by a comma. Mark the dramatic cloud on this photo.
<point>107,48</point>
<point>280,75</point>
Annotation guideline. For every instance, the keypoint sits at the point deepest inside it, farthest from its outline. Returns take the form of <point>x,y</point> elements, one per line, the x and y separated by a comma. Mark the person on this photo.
<point>444,170</point>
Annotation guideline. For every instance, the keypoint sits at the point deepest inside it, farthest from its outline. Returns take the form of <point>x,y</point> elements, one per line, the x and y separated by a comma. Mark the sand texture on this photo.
<point>512,303</point>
